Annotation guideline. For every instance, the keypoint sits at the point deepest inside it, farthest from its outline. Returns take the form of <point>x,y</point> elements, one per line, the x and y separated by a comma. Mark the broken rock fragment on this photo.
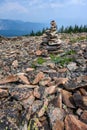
<point>9,79</point>
<point>58,125</point>
<point>84,116</point>
<point>15,64</point>
<point>72,123</point>
<point>38,77</point>
<point>80,101</point>
<point>51,90</point>
<point>4,93</point>
<point>23,78</point>
<point>68,99</point>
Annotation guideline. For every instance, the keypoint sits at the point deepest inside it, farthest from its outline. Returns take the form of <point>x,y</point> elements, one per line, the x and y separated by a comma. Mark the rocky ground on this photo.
<point>41,90</point>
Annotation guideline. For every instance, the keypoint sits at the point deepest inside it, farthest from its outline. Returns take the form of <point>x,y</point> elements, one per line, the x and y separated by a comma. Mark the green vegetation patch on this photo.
<point>40,60</point>
<point>62,60</point>
<point>73,40</point>
<point>70,52</point>
<point>32,125</point>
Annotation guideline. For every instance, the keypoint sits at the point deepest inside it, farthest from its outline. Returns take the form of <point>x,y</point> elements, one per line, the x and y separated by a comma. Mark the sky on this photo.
<point>64,12</point>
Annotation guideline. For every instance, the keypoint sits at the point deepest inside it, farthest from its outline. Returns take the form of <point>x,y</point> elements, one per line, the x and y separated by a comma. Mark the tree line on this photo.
<point>68,29</point>
<point>73,29</point>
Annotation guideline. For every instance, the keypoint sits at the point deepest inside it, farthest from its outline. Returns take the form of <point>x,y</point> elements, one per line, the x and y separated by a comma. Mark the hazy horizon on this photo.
<point>64,12</point>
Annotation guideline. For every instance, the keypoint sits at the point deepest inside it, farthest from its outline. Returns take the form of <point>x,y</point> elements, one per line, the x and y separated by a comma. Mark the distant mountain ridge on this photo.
<point>17,28</point>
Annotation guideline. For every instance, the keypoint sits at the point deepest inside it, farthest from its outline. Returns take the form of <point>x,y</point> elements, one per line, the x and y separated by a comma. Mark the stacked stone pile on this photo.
<point>51,42</point>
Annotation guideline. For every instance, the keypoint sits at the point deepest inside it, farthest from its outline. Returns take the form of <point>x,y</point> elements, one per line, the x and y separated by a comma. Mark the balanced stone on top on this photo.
<point>50,38</point>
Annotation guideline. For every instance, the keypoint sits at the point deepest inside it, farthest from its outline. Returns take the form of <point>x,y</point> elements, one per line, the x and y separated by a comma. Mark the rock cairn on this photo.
<point>50,40</point>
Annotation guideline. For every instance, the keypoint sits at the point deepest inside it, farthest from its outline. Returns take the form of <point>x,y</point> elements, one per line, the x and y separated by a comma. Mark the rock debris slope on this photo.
<point>41,90</point>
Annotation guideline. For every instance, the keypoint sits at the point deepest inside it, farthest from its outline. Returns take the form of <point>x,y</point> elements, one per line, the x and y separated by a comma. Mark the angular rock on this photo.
<point>9,79</point>
<point>15,64</point>
<point>27,86</point>
<point>43,109</point>
<point>51,90</point>
<point>58,125</point>
<point>56,101</point>
<point>52,48</point>
<point>37,93</point>
<point>36,105</point>
<point>79,111</point>
<point>28,101</point>
<point>38,52</point>
<point>72,123</point>
<point>45,124</point>
<point>59,101</point>
<point>62,70</point>
<point>83,91</point>
<point>60,80</point>
<point>45,81</point>
<point>83,117</point>
<point>29,69</point>
<point>55,114</point>
<point>4,93</point>
<point>68,99</point>
<point>20,93</point>
<point>80,101</point>
<point>38,77</point>
<point>23,78</point>
<point>76,83</point>
<point>72,66</point>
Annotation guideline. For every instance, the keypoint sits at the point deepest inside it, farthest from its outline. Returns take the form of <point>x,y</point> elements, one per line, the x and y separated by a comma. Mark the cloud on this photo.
<point>42,10</point>
<point>56,3</point>
<point>77,2</point>
<point>12,6</point>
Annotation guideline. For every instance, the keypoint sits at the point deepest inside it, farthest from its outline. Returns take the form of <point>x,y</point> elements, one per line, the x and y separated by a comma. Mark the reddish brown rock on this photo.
<point>68,99</point>
<point>23,78</point>
<point>45,81</point>
<point>56,101</point>
<point>72,123</point>
<point>3,93</point>
<point>83,91</point>
<point>37,93</point>
<point>29,69</point>
<point>38,52</point>
<point>38,77</point>
<point>79,111</point>
<point>62,70</point>
<point>58,125</point>
<point>60,80</point>
<point>84,99</point>
<point>59,101</point>
<point>27,86</point>
<point>84,117</point>
<point>52,83</point>
<point>50,90</point>
<point>55,114</point>
<point>9,79</point>
<point>6,68</point>
<point>28,101</point>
